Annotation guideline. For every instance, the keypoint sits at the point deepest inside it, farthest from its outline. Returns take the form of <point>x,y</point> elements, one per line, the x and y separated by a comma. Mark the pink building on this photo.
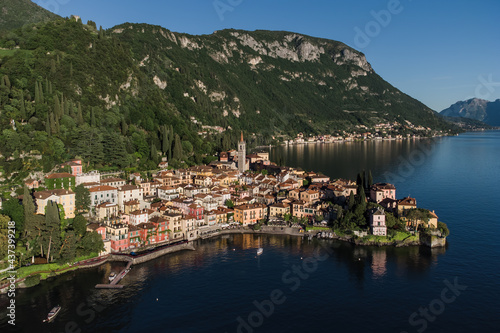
<point>380,191</point>
<point>196,211</point>
<point>100,229</point>
<point>118,235</point>
<point>377,223</point>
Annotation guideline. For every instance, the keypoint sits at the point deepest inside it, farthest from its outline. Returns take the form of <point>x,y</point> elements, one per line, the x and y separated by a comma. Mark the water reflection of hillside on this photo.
<point>379,156</point>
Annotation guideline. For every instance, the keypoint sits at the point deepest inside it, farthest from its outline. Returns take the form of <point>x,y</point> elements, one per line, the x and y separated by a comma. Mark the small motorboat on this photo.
<point>260,251</point>
<point>52,314</point>
<point>112,276</point>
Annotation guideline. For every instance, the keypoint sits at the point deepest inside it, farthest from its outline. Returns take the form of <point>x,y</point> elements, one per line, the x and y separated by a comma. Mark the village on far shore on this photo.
<point>239,191</point>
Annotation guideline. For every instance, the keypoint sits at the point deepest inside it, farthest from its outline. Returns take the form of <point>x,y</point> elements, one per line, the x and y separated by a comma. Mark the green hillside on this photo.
<point>16,13</point>
<point>122,98</point>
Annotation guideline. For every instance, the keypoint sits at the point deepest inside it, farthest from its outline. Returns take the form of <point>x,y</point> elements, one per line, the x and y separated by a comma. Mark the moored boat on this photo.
<point>52,314</point>
<point>112,276</point>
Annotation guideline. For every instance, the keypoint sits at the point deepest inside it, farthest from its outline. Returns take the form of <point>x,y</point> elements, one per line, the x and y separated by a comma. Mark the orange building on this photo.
<point>249,214</point>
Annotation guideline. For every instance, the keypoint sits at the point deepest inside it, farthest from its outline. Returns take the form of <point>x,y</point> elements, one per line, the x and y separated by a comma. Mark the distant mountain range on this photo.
<point>477,109</point>
<point>16,13</point>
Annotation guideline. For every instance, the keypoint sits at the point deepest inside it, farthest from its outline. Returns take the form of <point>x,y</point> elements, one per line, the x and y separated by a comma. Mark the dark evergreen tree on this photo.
<point>370,179</point>
<point>92,117</point>
<point>51,237</point>
<point>79,119</point>
<point>82,199</point>
<point>154,153</point>
<point>22,109</point>
<point>165,146</point>
<point>67,252</point>
<point>177,154</point>
<point>80,225</point>
<point>352,201</point>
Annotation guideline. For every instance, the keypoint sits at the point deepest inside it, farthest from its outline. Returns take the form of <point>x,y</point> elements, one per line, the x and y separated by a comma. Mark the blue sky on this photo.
<point>438,52</point>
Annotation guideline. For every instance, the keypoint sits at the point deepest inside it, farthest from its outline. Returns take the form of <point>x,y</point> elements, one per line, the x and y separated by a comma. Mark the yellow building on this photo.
<point>66,198</point>
<point>279,209</point>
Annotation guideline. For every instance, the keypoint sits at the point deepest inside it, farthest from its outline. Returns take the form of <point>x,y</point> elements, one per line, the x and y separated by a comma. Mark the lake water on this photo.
<point>302,286</point>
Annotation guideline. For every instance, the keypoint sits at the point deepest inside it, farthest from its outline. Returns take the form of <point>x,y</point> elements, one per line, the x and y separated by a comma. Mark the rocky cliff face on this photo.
<point>473,108</point>
<point>271,80</point>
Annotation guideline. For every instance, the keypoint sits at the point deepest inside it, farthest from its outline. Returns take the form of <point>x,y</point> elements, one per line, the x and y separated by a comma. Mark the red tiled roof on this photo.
<point>60,175</point>
<point>102,188</point>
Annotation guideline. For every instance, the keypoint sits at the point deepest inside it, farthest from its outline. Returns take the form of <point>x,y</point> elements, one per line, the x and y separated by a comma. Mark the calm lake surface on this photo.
<point>315,286</point>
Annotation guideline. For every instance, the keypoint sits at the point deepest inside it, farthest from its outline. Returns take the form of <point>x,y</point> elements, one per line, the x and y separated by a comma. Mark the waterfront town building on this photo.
<point>187,204</point>
<point>377,223</point>
<point>66,198</point>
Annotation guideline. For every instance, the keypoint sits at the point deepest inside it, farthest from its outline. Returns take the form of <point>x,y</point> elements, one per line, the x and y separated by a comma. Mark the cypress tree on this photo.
<point>40,90</point>
<point>124,127</point>
<point>177,148</point>
<point>165,143</point>
<point>22,109</point>
<point>57,106</point>
<point>6,81</point>
<point>37,93</point>
<point>363,179</point>
<point>92,117</point>
<point>58,129</point>
<point>28,205</point>
<point>63,106</point>
<point>29,216</point>
<point>79,119</point>
<point>154,152</point>
<point>47,125</point>
<point>69,107</point>
<point>53,129</point>
<point>351,200</point>
<point>370,179</point>
<point>52,233</point>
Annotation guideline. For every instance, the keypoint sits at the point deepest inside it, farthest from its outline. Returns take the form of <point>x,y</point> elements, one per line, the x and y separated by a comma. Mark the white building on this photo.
<point>139,216</point>
<point>91,177</point>
<point>127,193</point>
<point>167,193</point>
<point>100,194</point>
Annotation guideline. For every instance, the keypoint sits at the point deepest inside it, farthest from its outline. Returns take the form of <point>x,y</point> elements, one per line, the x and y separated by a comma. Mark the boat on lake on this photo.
<point>112,276</point>
<point>260,250</point>
<point>52,314</point>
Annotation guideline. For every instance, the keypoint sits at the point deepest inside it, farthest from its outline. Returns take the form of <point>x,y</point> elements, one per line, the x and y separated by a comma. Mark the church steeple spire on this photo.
<point>242,154</point>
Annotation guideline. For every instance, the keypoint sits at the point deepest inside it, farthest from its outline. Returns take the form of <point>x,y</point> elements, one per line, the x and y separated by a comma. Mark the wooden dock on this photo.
<point>114,284</point>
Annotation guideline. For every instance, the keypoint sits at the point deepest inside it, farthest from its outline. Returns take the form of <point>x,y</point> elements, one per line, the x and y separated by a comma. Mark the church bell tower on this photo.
<point>242,154</point>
